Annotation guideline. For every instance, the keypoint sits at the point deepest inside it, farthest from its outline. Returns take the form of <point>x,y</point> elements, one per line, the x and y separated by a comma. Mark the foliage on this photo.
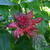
<point>12,7</point>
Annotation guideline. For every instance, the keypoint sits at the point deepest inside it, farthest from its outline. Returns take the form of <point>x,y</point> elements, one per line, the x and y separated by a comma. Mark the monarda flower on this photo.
<point>24,23</point>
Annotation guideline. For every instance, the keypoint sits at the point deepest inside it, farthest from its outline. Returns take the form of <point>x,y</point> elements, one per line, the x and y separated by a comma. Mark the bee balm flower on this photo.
<point>24,23</point>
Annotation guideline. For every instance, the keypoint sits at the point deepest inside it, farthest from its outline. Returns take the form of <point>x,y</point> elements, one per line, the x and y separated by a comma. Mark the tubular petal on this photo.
<point>12,25</point>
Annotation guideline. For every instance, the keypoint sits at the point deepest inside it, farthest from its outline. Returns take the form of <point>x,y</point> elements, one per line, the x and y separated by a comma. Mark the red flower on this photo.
<point>24,23</point>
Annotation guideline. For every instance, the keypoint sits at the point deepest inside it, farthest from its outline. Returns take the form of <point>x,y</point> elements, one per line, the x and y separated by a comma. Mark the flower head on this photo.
<point>24,23</point>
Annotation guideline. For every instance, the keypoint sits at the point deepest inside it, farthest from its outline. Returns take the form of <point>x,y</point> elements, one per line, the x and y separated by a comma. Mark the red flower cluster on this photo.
<point>24,23</point>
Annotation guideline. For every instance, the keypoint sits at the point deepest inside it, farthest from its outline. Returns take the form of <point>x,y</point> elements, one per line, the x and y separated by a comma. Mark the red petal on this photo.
<point>29,29</point>
<point>29,14</point>
<point>37,20</point>
<point>12,25</point>
<point>18,32</point>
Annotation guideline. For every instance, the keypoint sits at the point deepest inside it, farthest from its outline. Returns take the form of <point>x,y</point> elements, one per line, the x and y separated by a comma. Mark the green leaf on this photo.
<point>4,40</point>
<point>43,26</point>
<point>47,48</point>
<point>23,43</point>
<point>4,11</point>
<point>15,9</point>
